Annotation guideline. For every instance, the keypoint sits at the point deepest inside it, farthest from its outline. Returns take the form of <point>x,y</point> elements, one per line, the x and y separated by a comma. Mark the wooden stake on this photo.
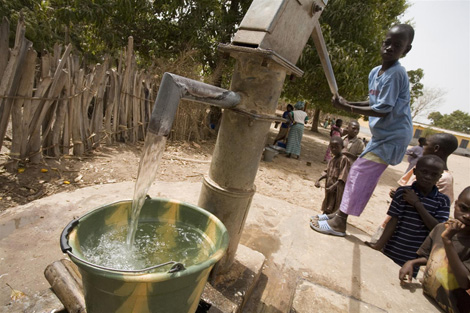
<point>11,76</point>
<point>19,129</point>
<point>4,48</point>
<point>64,281</point>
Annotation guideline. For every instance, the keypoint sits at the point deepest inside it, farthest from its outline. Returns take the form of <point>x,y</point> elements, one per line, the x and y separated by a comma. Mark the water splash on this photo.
<point>152,246</point>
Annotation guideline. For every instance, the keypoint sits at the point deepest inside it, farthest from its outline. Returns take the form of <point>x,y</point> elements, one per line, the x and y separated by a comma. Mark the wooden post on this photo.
<point>11,76</point>
<point>77,131</point>
<point>136,107</point>
<point>113,95</point>
<point>60,116</point>
<point>87,98</point>
<point>97,117</point>
<point>33,147</point>
<point>58,83</point>
<point>4,47</point>
<point>66,282</point>
<point>45,64</point>
<point>125,91</point>
<point>20,111</point>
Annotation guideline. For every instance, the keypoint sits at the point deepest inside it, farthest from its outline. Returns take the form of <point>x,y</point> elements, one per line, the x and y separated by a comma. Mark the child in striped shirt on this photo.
<point>414,211</point>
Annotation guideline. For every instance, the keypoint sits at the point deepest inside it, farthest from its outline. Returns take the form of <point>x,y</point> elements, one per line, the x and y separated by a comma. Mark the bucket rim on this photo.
<point>139,275</point>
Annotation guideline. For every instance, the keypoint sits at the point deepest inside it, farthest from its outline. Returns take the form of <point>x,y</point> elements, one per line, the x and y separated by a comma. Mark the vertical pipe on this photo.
<point>229,188</point>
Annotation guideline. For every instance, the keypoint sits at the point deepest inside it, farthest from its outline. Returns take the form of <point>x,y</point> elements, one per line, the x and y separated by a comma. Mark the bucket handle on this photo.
<point>175,268</point>
<point>64,237</point>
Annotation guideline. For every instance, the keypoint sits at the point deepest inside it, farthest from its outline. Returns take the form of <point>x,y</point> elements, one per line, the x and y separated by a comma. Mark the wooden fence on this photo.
<point>57,108</point>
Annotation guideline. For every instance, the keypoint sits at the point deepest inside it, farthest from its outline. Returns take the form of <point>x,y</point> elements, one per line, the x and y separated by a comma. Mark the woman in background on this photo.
<point>294,139</point>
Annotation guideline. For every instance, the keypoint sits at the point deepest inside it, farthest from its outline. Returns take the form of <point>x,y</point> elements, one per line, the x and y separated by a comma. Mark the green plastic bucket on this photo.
<point>174,288</point>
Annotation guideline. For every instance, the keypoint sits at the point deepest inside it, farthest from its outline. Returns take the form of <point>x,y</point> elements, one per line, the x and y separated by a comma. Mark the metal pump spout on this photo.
<point>173,88</point>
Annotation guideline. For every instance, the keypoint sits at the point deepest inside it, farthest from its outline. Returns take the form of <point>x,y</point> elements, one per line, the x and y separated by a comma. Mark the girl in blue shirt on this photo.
<point>391,126</point>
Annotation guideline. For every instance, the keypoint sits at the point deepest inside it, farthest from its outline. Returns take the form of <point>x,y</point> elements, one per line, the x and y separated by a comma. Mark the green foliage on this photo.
<point>41,25</point>
<point>353,32</point>
<point>435,117</point>
<point>415,77</point>
<point>457,121</point>
<point>161,29</point>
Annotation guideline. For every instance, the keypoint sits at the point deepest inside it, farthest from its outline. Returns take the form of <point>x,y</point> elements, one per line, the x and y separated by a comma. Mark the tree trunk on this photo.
<point>316,117</point>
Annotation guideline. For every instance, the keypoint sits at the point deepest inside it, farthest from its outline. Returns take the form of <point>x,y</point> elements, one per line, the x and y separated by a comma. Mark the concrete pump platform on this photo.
<point>303,272</point>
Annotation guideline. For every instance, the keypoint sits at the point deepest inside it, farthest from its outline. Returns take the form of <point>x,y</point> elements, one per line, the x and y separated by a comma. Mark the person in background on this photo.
<point>335,174</point>
<point>353,145</point>
<point>442,145</point>
<point>446,254</point>
<point>337,131</point>
<point>415,153</point>
<point>284,129</point>
<point>296,132</point>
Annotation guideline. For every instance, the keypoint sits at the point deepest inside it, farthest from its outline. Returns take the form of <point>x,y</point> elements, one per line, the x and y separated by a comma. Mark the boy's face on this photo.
<point>395,45</point>
<point>462,208</point>
<point>336,148</point>
<point>353,130</point>
<point>428,173</point>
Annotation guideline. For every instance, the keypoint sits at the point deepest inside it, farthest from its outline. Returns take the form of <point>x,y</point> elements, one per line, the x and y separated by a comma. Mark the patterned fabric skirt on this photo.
<point>294,139</point>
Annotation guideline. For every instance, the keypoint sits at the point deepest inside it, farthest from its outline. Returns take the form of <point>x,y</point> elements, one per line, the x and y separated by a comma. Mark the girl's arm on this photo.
<point>410,196</point>
<point>355,107</point>
<point>458,268</point>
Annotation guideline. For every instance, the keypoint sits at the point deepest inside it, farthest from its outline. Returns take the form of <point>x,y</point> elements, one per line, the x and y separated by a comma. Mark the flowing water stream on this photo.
<point>148,168</point>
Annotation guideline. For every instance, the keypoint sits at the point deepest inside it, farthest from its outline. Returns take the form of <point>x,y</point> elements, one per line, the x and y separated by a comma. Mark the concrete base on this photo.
<point>29,241</point>
<point>45,301</point>
<point>229,292</point>
<point>310,297</point>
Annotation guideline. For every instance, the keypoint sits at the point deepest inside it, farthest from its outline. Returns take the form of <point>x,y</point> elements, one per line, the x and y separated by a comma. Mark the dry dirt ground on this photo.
<point>287,179</point>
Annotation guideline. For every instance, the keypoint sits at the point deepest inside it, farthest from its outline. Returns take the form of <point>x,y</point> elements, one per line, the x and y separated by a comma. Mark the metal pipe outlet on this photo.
<point>173,88</point>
